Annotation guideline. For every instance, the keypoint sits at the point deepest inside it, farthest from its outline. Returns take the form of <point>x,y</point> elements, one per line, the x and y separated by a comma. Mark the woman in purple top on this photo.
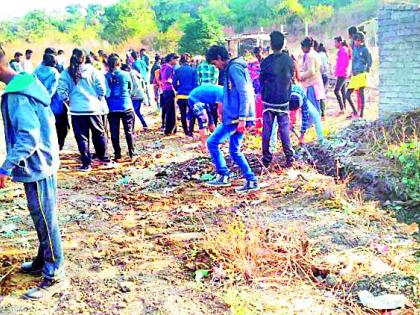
<point>168,94</point>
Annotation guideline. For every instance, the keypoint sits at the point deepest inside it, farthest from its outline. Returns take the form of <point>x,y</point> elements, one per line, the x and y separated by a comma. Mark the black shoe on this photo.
<point>250,185</point>
<point>289,163</point>
<point>31,268</point>
<point>219,181</point>
<point>85,168</point>
<point>46,289</point>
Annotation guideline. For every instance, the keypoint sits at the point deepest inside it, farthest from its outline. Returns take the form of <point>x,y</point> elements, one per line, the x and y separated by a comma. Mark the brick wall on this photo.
<point>399,52</point>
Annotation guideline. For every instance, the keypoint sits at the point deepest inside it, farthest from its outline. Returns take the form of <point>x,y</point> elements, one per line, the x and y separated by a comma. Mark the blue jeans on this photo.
<point>137,108</point>
<point>42,203</point>
<point>315,118</point>
<point>219,136</point>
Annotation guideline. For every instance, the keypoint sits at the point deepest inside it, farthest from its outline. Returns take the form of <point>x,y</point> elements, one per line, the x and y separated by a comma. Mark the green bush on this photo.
<point>407,156</point>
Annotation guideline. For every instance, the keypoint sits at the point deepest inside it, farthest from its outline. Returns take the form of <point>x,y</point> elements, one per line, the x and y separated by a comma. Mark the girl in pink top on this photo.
<point>341,72</point>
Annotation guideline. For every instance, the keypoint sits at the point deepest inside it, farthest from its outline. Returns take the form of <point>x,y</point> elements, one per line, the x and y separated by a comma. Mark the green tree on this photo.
<point>127,19</point>
<point>169,12</point>
<point>199,35</point>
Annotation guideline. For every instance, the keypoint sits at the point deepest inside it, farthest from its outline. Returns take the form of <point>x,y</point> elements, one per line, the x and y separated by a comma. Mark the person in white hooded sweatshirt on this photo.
<point>85,89</point>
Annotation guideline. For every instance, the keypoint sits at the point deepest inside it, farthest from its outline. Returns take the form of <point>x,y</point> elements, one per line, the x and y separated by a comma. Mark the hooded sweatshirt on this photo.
<point>185,80</point>
<point>29,125</point>
<point>88,96</point>
<point>275,81</point>
<point>49,77</point>
<point>239,97</point>
<point>362,59</point>
<point>120,85</point>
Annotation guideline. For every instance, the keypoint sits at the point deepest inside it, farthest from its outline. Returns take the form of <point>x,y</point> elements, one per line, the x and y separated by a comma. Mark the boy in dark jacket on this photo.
<point>238,113</point>
<point>185,80</point>
<point>276,81</point>
<point>32,158</point>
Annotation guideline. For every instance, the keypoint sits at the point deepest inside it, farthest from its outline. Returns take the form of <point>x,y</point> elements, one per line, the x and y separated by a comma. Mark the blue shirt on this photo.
<point>185,79</point>
<point>141,67</point>
<point>207,94</point>
<point>120,84</point>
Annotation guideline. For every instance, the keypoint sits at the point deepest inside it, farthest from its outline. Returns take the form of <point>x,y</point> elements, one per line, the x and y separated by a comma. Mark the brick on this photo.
<point>399,72</point>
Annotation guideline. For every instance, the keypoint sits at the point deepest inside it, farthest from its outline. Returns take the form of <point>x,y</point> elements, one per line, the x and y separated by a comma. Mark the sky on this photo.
<point>21,7</point>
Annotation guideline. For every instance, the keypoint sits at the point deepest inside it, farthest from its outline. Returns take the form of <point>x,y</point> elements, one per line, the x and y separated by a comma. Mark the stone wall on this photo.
<point>399,44</point>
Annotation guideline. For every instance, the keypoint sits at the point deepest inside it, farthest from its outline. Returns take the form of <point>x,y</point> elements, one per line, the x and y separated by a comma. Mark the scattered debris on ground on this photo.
<point>149,238</point>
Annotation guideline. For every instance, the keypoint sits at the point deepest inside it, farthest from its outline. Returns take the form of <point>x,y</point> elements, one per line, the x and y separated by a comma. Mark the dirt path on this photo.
<point>149,238</point>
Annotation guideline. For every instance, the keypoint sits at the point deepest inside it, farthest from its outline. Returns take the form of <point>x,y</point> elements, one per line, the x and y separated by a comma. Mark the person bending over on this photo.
<point>199,101</point>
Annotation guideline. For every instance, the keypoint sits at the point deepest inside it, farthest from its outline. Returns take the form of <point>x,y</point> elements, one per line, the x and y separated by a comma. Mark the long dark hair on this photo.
<point>321,48</point>
<point>76,61</point>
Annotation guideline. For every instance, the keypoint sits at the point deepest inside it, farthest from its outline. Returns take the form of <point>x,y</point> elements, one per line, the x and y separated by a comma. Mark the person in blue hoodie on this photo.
<point>49,76</point>
<point>184,81</point>
<point>32,158</point>
<point>120,105</point>
<point>85,89</point>
<point>238,113</point>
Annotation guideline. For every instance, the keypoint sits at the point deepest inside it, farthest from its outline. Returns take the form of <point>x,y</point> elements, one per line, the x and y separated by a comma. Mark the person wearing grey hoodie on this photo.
<point>49,77</point>
<point>85,89</point>
<point>32,158</point>
<point>238,113</point>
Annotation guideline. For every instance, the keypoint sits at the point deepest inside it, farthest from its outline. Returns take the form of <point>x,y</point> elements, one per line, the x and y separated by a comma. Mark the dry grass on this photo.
<point>254,251</point>
<point>399,129</point>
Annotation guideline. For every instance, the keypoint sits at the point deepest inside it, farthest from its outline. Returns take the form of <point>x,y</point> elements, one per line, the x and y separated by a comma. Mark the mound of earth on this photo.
<point>357,154</point>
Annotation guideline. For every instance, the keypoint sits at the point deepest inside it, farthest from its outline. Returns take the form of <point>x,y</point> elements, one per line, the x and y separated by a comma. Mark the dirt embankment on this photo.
<point>358,154</point>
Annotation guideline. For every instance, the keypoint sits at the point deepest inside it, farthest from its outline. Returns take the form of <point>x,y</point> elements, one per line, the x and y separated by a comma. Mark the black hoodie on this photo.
<point>276,78</point>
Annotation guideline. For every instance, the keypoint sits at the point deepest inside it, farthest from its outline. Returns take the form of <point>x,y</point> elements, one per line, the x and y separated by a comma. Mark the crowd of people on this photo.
<point>227,96</point>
